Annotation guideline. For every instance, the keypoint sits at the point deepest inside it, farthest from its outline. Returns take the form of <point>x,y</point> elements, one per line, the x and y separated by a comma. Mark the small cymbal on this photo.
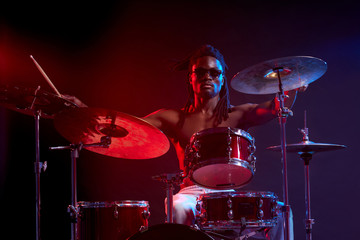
<point>21,99</point>
<point>295,72</point>
<point>131,137</point>
<point>308,147</point>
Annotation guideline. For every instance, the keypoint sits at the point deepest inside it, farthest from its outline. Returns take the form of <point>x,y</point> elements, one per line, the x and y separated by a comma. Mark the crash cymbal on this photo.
<point>295,72</point>
<point>131,137</point>
<point>308,147</point>
<point>21,99</point>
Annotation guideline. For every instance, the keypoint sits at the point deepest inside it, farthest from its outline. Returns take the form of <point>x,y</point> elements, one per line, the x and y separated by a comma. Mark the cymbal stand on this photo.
<point>170,180</point>
<point>283,114</point>
<point>306,157</point>
<point>75,150</point>
<point>37,165</point>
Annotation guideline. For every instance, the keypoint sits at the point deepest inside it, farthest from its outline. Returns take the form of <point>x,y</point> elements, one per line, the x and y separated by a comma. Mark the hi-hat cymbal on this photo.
<point>23,100</point>
<point>295,72</point>
<point>308,147</point>
<point>131,137</point>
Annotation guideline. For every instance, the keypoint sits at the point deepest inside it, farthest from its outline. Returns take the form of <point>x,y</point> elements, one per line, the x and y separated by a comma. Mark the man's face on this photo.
<point>207,77</point>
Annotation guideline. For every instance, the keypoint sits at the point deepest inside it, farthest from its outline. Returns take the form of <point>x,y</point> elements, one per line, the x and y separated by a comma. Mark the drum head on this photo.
<point>171,231</point>
<point>232,174</point>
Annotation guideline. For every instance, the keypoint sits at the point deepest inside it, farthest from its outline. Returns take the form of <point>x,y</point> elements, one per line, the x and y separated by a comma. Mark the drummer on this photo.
<point>208,106</point>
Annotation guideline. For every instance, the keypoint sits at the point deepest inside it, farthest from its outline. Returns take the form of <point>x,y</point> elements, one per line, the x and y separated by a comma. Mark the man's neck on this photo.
<point>206,106</point>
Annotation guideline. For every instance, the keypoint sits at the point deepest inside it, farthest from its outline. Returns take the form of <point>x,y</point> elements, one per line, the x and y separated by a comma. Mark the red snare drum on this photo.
<point>220,158</point>
<point>236,210</point>
<point>111,220</point>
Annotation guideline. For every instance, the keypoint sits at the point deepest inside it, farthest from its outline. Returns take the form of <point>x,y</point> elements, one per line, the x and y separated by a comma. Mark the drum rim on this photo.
<point>243,193</point>
<point>236,131</point>
<point>130,203</point>
<point>122,203</point>
<point>230,224</point>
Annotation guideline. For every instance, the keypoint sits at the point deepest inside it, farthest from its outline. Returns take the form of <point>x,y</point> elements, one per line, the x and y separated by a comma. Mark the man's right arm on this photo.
<point>164,119</point>
<point>155,118</point>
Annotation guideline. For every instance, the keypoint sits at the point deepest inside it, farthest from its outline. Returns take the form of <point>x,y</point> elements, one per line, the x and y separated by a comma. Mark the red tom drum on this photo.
<point>220,158</point>
<point>111,220</point>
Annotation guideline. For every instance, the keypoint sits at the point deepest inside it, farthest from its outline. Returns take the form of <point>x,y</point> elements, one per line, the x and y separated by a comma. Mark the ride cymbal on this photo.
<point>294,72</point>
<point>130,137</point>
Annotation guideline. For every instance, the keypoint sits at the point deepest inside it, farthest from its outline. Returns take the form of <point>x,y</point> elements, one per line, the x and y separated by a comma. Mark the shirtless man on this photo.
<point>208,106</point>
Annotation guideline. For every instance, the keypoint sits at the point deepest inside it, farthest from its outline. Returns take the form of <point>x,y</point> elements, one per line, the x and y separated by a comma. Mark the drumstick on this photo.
<point>46,77</point>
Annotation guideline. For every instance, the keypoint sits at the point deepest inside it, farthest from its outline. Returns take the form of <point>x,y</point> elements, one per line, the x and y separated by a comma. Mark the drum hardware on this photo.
<point>277,76</point>
<point>39,104</point>
<point>131,137</point>
<point>170,179</point>
<point>223,153</point>
<point>110,133</point>
<point>236,210</point>
<point>305,149</point>
<point>111,220</point>
<point>75,150</point>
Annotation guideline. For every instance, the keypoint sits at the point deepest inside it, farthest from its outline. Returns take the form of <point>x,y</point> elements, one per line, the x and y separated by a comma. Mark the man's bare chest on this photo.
<point>196,123</point>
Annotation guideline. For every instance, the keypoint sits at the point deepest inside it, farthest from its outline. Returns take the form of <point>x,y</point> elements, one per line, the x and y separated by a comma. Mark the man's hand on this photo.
<point>74,100</point>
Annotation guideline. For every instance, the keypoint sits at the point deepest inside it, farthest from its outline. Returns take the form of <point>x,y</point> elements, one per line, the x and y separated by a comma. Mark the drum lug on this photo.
<point>146,214</point>
<point>260,214</point>
<point>194,150</point>
<point>203,216</point>
<point>116,212</point>
<point>229,148</point>
<point>198,207</point>
<point>275,209</point>
<point>229,203</point>
<point>251,149</point>
<point>197,145</point>
<point>204,205</point>
<point>230,214</point>
<point>252,160</point>
<point>260,203</point>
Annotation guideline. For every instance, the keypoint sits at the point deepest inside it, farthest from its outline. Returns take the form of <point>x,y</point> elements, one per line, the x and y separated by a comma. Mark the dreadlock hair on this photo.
<point>222,108</point>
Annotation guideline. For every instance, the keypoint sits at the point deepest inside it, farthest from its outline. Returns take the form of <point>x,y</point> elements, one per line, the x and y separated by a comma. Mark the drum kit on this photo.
<point>217,158</point>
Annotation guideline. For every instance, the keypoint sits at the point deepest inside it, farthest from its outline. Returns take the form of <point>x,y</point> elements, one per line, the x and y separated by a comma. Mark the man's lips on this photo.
<point>207,85</point>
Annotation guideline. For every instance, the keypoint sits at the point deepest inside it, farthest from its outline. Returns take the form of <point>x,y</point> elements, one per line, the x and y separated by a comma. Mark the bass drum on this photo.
<point>171,231</point>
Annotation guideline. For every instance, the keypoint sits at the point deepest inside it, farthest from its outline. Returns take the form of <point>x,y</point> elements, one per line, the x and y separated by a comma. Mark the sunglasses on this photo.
<point>214,73</point>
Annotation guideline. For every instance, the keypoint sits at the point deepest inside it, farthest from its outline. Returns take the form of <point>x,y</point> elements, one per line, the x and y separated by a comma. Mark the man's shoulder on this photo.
<point>166,114</point>
<point>168,111</point>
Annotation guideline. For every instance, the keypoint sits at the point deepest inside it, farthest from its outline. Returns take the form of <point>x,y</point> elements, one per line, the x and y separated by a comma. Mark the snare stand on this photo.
<point>170,180</point>
<point>283,114</point>
<point>75,149</point>
<point>309,221</point>
<point>306,157</point>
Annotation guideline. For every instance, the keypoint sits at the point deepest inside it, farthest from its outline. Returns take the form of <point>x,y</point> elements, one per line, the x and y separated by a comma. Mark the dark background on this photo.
<point>117,56</point>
